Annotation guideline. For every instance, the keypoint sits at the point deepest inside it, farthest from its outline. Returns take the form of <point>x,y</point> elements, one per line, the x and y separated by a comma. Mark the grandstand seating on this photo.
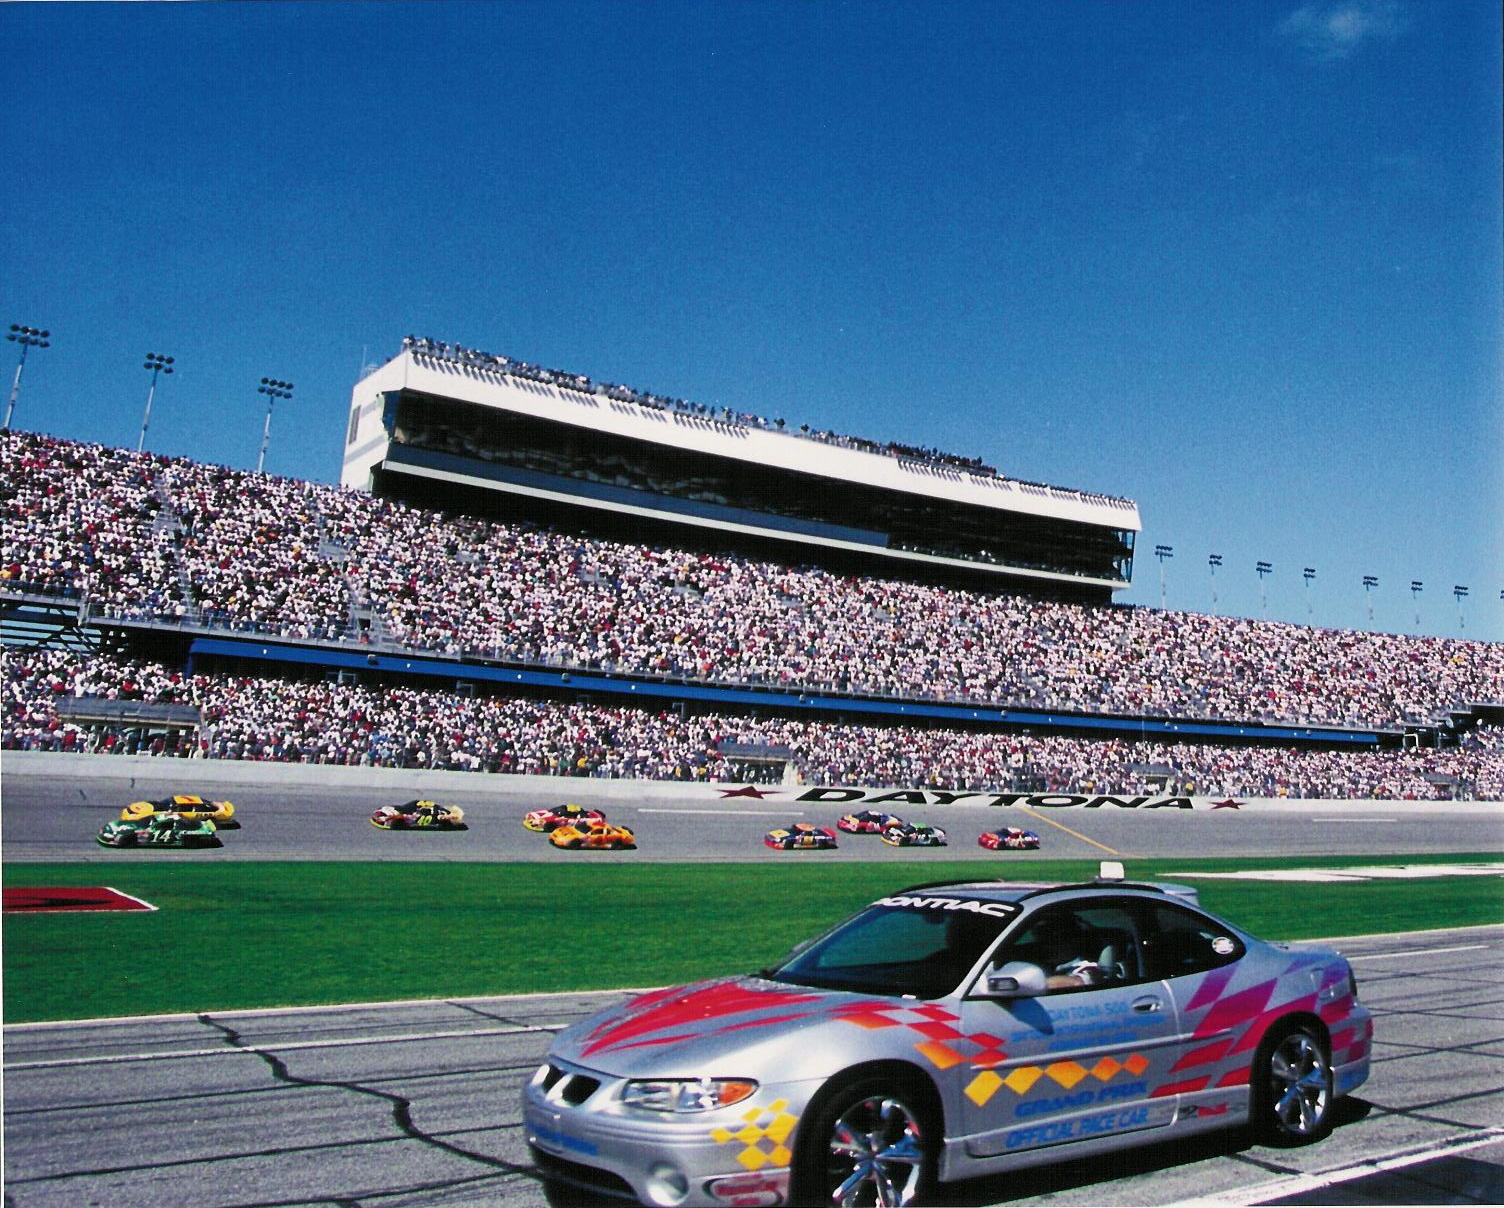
<point>140,536</point>
<point>263,718</point>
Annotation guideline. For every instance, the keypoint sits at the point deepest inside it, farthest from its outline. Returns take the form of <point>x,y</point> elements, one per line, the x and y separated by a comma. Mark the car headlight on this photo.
<point>686,1094</point>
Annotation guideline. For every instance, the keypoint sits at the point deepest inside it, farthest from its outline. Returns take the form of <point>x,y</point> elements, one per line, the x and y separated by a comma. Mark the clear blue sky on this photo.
<point>1239,262</point>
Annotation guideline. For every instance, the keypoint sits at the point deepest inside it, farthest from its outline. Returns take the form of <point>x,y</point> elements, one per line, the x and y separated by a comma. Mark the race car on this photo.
<point>184,805</point>
<point>546,820</point>
<point>420,815</point>
<point>798,836</point>
<point>868,822</point>
<point>935,1035</point>
<point>160,830</point>
<point>594,836</point>
<point>914,834</point>
<point>1008,838</point>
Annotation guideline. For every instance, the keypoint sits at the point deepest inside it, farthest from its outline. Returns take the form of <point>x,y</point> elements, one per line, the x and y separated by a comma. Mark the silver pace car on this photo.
<point>949,1031</point>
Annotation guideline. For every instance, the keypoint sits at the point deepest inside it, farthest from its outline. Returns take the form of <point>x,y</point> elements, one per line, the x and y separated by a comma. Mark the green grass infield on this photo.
<point>237,935</point>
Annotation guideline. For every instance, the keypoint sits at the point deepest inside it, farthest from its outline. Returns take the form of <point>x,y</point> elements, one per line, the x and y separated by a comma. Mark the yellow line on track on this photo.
<point>1062,826</point>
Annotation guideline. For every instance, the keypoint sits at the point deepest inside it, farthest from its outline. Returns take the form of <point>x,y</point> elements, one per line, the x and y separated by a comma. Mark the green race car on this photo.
<point>160,830</point>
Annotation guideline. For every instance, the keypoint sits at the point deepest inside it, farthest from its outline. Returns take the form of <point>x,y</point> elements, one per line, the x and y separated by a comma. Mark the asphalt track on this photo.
<point>55,818</point>
<point>392,1106</point>
<point>418,1104</point>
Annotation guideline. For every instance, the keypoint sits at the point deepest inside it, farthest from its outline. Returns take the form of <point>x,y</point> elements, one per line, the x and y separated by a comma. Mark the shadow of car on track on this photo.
<point>1127,1163</point>
<point>1061,1176</point>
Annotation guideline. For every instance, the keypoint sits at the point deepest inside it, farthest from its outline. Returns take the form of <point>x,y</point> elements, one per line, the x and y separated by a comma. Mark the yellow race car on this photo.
<point>598,836</point>
<point>184,805</point>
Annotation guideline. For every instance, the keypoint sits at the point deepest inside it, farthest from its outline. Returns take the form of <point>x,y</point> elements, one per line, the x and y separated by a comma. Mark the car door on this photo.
<point>1197,958</point>
<point>1082,1060</point>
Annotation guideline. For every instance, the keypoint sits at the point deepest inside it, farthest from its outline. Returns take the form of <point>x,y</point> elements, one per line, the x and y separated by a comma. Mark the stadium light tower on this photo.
<point>1369,583</point>
<point>1460,593</point>
<point>1308,573</point>
<point>273,388</point>
<point>1213,561</point>
<point>157,364</point>
<point>1416,587</point>
<point>28,338</point>
<point>1163,552</point>
<point>1263,568</point>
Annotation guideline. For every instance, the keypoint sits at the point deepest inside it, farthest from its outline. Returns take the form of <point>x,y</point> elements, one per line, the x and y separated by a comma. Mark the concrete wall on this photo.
<point>224,775</point>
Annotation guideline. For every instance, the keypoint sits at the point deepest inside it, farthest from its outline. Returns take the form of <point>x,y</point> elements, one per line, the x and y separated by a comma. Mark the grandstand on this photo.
<point>443,425</point>
<point>160,605</point>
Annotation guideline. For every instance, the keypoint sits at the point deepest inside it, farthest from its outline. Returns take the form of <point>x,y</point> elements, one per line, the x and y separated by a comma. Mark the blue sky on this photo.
<point>1239,262</point>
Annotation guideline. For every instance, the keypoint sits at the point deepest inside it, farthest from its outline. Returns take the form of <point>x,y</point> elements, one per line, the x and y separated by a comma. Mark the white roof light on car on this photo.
<point>1111,870</point>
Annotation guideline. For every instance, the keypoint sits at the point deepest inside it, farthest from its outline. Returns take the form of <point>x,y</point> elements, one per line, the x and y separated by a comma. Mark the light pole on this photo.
<point>1162,552</point>
<point>274,389</point>
<point>1308,573</point>
<point>28,338</point>
<point>157,364</point>
<point>1416,587</point>
<point>1263,568</point>
<point>1460,593</point>
<point>1213,561</point>
<point>1369,583</point>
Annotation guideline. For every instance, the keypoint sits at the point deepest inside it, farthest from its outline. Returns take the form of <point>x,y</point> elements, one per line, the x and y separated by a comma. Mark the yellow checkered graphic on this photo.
<point>1065,1073</point>
<point>772,1123</point>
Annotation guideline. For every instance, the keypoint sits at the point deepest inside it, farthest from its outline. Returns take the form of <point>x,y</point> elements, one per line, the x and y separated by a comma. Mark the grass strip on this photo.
<point>254,934</point>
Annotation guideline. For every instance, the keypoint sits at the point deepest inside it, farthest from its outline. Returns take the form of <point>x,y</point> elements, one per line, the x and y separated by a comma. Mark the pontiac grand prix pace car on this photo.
<point>949,1031</point>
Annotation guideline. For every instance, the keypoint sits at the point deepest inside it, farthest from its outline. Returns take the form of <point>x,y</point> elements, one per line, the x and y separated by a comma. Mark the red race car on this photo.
<point>547,820</point>
<point>868,822</point>
<point>1008,838</point>
<point>419,815</point>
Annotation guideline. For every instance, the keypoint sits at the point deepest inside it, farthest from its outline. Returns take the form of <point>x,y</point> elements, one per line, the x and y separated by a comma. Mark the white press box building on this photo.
<point>445,426</point>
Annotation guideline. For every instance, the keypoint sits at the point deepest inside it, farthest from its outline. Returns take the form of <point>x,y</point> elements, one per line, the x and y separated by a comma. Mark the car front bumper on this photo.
<point>737,1155</point>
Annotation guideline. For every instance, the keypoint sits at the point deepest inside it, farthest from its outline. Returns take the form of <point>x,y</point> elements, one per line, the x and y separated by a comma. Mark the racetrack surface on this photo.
<point>418,1104</point>
<point>49,817</point>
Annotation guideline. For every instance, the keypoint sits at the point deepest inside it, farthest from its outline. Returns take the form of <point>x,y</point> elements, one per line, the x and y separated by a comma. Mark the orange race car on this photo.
<point>599,836</point>
<point>184,805</point>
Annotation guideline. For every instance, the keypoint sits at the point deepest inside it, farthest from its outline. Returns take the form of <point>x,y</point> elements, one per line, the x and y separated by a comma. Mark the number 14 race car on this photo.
<point>160,830</point>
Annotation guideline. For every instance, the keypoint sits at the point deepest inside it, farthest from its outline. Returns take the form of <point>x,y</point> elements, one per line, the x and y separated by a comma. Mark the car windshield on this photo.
<point>919,947</point>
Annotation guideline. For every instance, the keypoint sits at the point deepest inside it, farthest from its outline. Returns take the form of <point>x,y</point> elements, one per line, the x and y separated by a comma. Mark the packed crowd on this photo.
<point>147,536</point>
<point>328,722</point>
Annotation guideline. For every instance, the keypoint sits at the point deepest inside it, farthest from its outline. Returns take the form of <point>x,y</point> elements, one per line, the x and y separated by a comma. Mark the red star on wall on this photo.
<point>748,791</point>
<point>1229,804</point>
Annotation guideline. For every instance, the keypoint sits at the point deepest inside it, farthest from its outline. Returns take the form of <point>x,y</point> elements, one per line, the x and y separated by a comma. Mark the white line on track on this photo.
<point>1325,821</point>
<point>291,1046</point>
<point>647,809</point>
<point>1390,956</point>
<point>1275,1189</point>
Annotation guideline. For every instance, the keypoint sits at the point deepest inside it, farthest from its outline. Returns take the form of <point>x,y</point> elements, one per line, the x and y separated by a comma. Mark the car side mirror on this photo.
<point>1016,979</point>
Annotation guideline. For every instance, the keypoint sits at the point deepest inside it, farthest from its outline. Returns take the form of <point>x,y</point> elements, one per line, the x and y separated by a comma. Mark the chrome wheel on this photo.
<point>1300,1086</point>
<point>876,1154</point>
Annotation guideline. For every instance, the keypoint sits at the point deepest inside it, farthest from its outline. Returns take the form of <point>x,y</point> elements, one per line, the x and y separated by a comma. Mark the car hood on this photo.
<point>735,1026</point>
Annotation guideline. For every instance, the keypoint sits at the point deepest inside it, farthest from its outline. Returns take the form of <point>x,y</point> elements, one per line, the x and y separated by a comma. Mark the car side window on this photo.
<point>1178,941</point>
<point>1079,945</point>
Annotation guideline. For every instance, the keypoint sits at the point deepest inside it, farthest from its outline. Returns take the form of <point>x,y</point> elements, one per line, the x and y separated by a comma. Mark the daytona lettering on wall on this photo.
<point>831,796</point>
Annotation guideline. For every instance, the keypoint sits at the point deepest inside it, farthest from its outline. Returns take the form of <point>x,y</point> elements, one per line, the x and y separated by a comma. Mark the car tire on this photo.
<point>1292,1088</point>
<point>873,1140</point>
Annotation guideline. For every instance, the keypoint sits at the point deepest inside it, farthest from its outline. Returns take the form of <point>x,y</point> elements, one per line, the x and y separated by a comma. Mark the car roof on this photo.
<point>1018,891</point>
